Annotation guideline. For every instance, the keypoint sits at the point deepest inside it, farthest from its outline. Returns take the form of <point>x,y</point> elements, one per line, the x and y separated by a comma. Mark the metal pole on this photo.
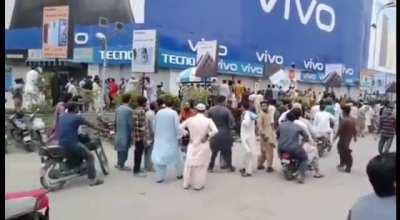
<point>389,5</point>
<point>103,74</point>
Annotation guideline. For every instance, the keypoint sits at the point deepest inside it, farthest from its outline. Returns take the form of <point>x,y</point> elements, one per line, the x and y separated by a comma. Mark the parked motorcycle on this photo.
<point>323,145</point>
<point>29,131</point>
<point>58,168</point>
<point>32,205</point>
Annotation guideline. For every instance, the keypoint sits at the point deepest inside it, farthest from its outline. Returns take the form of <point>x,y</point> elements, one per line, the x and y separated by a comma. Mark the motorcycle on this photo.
<point>58,167</point>
<point>20,130</point>
<point>32,205</point>
<point>323,145</point>
<point>290,166</point>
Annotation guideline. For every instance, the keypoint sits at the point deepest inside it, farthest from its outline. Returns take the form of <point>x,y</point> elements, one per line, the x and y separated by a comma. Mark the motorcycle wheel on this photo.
<point>29,147</point>
<point>47,182</point>
<point>288,175</point>
<point>101,156</point>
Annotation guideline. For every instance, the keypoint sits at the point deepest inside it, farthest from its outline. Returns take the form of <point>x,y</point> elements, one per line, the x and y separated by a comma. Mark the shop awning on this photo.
<point>52,63</point>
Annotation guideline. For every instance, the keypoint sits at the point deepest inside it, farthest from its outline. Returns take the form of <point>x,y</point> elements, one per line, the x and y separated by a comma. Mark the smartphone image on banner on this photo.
<point>63,33</point>
<point>45,33</point>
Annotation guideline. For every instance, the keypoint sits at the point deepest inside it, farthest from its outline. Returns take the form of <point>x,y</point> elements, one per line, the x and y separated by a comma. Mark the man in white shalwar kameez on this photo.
<point>249,141</point>
<point>198,154</point>
<point>166,150</point>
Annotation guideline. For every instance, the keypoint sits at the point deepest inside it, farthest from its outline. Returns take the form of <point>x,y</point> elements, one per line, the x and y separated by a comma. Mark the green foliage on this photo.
<point>174,99</point>
<point>133,103</point>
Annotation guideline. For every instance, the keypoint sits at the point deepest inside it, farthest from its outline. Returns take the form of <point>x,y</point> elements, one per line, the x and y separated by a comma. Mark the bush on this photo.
<point>133,103</point>
<point>174,99</point>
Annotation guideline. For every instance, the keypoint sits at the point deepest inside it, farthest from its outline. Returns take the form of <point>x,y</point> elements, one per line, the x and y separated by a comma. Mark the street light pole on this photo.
<point>103,40</point>
<point>388,5</point>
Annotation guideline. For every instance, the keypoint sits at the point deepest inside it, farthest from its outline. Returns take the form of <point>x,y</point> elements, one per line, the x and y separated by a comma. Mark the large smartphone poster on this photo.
<point>55,32</point>
<point>207,63</point>
<point>144,51</point>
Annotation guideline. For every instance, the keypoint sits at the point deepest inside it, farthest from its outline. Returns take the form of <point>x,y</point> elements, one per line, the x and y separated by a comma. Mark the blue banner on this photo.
<point>260,31</point>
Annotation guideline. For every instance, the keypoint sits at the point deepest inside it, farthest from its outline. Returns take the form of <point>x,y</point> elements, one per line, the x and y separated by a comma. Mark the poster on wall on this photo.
<point>144,51</point>
<point>281,79</point>
<point>333,70</point>
<point>207,59</point>
<point>55,32</point>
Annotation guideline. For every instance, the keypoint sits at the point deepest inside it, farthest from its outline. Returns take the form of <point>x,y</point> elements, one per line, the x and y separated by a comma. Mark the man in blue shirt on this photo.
<point>68,125</point>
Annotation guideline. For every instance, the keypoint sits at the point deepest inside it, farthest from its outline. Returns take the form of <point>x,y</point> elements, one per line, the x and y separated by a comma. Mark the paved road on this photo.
<point>226,196</point>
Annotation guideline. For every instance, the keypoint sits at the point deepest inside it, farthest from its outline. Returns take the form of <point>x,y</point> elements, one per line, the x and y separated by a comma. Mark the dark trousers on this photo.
<point>148,165</point>
<point>345,157</point>
<point>139,148</point>
<point>226,153</point>
<point>384,144</point>
<point>82,152</point>
<point>122,157</point>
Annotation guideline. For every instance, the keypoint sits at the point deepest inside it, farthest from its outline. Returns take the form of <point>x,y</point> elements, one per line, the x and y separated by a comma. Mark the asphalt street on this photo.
<point>226,195</point>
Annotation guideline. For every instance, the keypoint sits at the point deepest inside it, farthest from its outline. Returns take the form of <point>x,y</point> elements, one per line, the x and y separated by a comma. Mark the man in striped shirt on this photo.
<point>387,129</point>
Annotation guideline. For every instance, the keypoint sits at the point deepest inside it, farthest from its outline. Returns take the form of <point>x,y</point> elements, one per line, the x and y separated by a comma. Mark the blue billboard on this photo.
<point>259,31</point>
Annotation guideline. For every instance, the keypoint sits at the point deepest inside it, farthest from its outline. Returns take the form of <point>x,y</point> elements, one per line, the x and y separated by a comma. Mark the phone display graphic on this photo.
<point>63,33</point>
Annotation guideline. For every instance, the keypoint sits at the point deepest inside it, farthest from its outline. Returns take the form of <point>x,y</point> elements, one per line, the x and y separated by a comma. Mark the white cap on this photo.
<point>201,107</point>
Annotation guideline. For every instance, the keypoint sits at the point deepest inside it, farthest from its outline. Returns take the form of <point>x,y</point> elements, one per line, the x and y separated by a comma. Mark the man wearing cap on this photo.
<point>198,155</point>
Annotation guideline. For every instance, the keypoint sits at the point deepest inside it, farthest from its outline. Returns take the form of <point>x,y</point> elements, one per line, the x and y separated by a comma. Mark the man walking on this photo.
<point>166,149</point>
<point>123,128</point>
<point>347,130</point>
<point>248,138</point>
<point>150,114</point>
<point>198,154</point>
<point>223,140</point>
<point>268,139</point>
<point>387,129</point>
<point>139,132</point>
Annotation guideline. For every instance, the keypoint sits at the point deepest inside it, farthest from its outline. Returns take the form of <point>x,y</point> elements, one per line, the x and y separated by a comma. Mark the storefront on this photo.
<point>261,35</point>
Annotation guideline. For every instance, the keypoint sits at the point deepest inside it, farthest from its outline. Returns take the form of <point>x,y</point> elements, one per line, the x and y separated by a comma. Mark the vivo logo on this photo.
<point>269,58</point>
<point>223,50</point>
<point>178,60</point>
<point>81,38</point>
<point>234,67</point>
<point>116,55</point>
<point>311,65</point>
<point>305,13</point>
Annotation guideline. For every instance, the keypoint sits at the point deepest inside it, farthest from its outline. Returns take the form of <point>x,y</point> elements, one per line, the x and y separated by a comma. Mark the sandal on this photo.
<point>318,175</point>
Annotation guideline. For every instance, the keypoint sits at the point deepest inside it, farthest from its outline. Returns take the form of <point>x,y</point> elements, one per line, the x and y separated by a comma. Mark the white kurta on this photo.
<point>198,154</point>
<point>248,138</point>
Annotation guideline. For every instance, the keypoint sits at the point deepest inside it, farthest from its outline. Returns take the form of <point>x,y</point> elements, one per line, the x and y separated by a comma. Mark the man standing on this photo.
<point>198,154</point>
<point>166,149</point>
<point>223,140</point>
<point>347,131</point>
<point>150,114</point>
<point>248,138</point>
<point>139,133</point>
<point>123,128</point>
<point>387,129</point>
<point>224,90</point>
<point>268,139</point>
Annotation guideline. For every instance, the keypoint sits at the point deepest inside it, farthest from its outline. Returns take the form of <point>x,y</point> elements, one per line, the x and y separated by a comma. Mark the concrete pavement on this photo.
<point>226,196</point>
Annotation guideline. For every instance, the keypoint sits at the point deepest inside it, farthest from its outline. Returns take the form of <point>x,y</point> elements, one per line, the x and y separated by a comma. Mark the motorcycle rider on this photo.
<point>322,123</point>
<point>67,128</point>
<point>289,134</point>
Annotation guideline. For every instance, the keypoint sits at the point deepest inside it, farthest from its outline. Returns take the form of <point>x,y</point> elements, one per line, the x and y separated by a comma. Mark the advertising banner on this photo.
<point>144,51</point>
<point>207,64</point>
<point>281,78</point>
<point>55,32</point>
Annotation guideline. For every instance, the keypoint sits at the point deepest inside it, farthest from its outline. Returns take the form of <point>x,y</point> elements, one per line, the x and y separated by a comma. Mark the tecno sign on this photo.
<point>305,10</point>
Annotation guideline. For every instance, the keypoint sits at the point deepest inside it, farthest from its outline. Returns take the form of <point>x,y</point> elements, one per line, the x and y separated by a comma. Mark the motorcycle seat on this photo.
<point>54,151</point>
<point>18,207</point>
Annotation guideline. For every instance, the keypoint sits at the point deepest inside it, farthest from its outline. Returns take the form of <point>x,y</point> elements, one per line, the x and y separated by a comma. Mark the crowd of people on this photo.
<point>192,137</point>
